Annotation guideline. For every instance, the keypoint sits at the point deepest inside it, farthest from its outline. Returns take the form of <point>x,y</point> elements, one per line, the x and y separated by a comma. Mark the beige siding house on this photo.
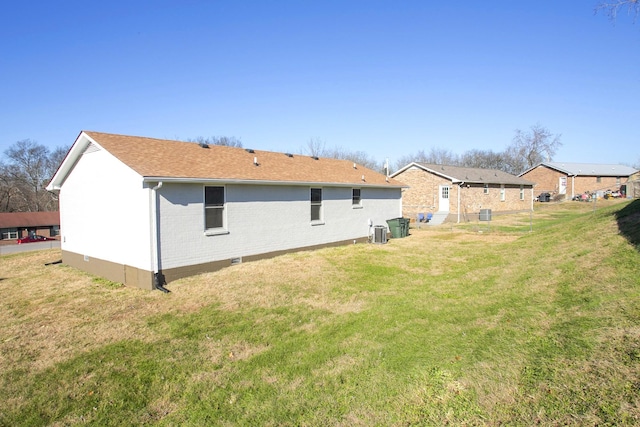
<point>571,179</point>
<point>460,193</point>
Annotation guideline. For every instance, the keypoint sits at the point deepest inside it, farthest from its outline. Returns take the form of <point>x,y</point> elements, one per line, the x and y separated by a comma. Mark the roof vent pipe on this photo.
<point>363,177</point>
<point>354,165</point>
<point>255,161</point>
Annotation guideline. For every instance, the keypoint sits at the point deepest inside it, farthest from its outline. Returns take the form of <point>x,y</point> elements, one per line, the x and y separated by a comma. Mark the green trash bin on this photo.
<point>395,227</point>
<point>405,226</point>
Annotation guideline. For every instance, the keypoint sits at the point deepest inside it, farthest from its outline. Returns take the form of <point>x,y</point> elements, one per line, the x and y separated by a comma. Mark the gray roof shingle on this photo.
<point>591,169</point>
<point>474,175</point>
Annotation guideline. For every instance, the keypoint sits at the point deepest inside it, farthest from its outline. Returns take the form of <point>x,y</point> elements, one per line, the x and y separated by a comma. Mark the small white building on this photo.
<point>143,211</point>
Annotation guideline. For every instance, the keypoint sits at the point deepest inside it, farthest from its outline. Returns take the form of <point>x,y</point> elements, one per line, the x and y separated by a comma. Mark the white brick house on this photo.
<point>138,210</point>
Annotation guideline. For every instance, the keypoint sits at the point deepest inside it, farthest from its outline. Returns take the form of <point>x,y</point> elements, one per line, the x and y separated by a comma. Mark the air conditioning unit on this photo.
<point>379,234</point>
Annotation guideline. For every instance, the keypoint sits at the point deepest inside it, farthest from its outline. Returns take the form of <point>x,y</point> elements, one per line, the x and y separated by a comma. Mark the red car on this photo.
<point>34,238</point>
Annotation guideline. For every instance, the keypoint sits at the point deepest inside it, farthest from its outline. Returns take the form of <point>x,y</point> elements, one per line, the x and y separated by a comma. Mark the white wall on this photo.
<point>262,219</point>
<point>104,211</point>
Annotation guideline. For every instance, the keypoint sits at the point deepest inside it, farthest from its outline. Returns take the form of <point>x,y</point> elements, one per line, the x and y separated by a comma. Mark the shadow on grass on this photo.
<point>628,219</point>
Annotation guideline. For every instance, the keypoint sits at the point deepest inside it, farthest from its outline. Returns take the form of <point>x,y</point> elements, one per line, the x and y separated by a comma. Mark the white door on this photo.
<point>444,199</point>
<point>562,185</point>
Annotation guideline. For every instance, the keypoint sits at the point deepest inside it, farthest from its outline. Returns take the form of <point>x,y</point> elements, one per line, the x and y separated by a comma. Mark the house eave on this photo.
<point>188,180</point>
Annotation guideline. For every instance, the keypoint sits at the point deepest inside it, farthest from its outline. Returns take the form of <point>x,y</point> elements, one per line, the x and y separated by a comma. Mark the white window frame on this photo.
<point>486,189</point>
<point>9,233</point>
<point>316,204</point>
<point>522,192</point>
<point>503,193</point>
<point>356,201</point>
<point>223,208</point>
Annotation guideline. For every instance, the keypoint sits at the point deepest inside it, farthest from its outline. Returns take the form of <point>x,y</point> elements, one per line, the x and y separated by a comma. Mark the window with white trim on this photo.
<point>316,204</point>
<point>522,192</point>
<point>502,193</point>
<point>214,202</point>
<point>9,233</point>
<point>355,197</point>
<point>486,189</point>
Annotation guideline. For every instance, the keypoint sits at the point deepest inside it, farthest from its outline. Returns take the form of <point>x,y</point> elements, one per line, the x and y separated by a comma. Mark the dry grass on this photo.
<point>52,312</point>
<point>439,327</point>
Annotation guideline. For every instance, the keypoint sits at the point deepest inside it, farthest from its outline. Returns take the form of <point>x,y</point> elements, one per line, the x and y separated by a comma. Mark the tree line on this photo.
<point>527,149</point>
<point>29,166</point>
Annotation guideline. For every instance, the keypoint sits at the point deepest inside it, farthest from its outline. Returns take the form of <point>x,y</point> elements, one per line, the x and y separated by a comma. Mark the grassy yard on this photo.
<point>451,325</point>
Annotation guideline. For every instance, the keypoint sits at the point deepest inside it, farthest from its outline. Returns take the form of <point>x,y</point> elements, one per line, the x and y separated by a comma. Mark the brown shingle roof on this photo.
<point>29,219</point>
<point>160,158</point>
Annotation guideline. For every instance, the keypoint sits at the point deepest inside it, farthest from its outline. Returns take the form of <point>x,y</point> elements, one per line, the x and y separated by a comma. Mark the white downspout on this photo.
<point>154,228</point>
<point>459,191</point>
<point>532,198</point>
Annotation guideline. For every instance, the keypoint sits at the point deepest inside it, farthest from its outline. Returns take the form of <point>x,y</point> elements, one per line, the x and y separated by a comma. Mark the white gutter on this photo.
<point>152,179</point>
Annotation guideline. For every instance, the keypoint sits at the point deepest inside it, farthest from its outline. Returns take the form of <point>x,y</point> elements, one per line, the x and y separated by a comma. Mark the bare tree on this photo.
<point>7,189</point>
<point>358,157</point>
<point>530,148</point>
<point>24,177</point>
<point>227,141</point>
<point>612,8</point>
<point>484,159</point>
<point>420,156</point>
<point>439,156</point>
<point>315,147</point>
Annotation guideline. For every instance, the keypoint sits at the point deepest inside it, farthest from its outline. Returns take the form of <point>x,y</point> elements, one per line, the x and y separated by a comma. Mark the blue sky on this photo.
<point>386,77</point>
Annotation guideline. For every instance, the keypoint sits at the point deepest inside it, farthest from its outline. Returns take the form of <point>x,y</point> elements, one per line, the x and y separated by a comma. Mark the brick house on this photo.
<point>459,193</point>
<point>170,209</point>
<point>571,179</point>
<point>15,225</point>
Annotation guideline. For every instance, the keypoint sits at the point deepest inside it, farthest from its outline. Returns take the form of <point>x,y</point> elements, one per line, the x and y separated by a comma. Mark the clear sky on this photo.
<point>386,77</point>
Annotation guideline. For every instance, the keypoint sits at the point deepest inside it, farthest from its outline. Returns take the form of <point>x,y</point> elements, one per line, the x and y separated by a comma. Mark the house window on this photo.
<point>486,189</point>
<point>214,207</point>
<point>316,204</point>
<point>617,180</point>
<point>355,197</point>
<point>9,233</point>
<point>599,179</point>
<point>522,192</point>
<point>445,193</point>
<point>502,193</point>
